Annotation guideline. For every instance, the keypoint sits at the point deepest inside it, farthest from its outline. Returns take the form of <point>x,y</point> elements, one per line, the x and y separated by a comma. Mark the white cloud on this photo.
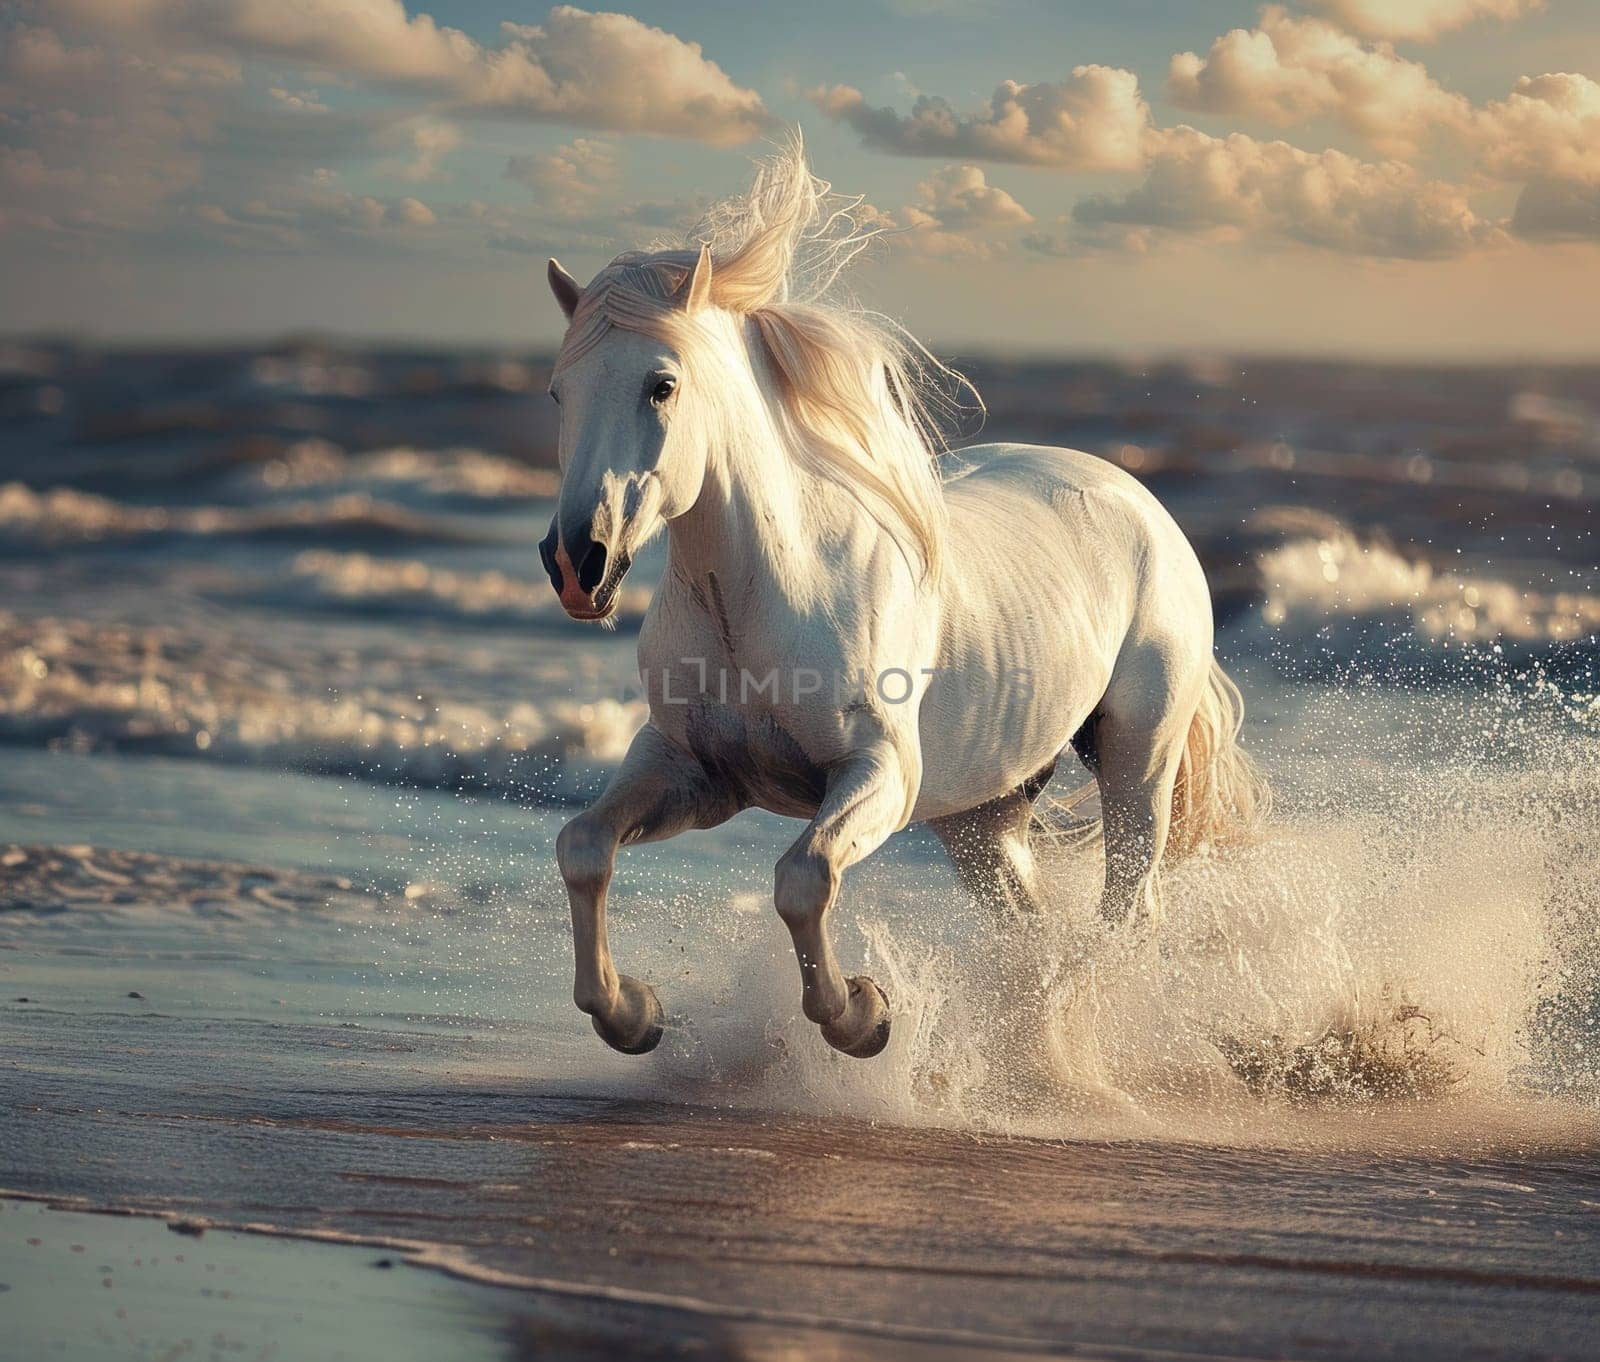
<point>962,199</point>
<point>133,117</point>
<point>430,140</point>
<point>1092,121</point>
<point>1290,69</point>
<point>1547,128</point>
<point>956,211</point>
<point>1419,20</point>
<point>1237,186</point>
<point>569,179</point>
<point>292,217</point>
<point>596,70</point>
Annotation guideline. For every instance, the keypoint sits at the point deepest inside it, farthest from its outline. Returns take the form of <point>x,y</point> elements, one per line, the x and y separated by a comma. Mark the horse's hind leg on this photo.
<point>988,846</point>
<point>1136,751</point>
<point>658,792</point>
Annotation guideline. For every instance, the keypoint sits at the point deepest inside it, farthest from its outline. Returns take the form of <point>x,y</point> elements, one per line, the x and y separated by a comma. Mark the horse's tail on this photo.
<point>1218,798</point>
<point>1220,794</point>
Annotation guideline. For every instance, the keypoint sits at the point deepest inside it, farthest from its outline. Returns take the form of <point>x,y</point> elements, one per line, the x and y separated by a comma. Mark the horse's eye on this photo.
<point>555,397</point>
<point>663,390</point>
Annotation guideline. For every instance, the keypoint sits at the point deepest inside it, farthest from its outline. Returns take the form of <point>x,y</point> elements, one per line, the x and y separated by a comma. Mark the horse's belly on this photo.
<point>985,738</point>
<point>1038,596</point>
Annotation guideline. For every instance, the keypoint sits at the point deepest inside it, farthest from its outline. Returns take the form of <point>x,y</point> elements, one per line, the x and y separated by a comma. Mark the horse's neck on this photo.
<point>765,530</point>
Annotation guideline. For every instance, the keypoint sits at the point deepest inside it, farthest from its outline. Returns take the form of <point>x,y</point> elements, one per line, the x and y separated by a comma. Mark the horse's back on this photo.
<point>1009,495</point>
<point>1043,475</point>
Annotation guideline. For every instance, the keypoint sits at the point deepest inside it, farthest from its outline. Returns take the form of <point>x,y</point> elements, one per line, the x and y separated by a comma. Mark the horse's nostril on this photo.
<point>547,555</point>
<point>592,569</point>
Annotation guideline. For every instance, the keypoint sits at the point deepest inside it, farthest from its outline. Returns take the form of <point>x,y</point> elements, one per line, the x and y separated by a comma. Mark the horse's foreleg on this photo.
<point>658,792</point>
<point>865,802</point>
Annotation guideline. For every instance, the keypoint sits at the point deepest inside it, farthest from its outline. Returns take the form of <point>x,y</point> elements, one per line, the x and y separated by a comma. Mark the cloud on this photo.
<point>594,70</point>
<point>956,211</point>
<point>1236,186</point>
<point>1092,121</point>
<point>430,141</point>
<point>569,179</point>
<point>301,101</point>
<point>960,198</point>
<point>547,227</point>
<point>1547,128</point>
<point>1557,210</point>
<point>294,217</point>
<point>167,147</point>
<point>1290,69</point>
<point>135,118</point>
<point>164,121</point>
<point>99,139</point>
<point>1419,20</point>
<point>1048,243</point>
<point>519,245</point>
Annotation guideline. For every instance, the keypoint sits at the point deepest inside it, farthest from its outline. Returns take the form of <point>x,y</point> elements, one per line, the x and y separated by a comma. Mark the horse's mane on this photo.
<point>859,400</point>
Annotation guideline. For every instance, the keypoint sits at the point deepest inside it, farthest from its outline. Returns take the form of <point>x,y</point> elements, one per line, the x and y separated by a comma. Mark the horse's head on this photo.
<point>633,442</point>
<point>668,364</point>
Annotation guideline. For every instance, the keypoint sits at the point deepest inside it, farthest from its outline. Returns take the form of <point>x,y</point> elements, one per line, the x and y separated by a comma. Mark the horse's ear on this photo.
<point>565,287</point>
<point>697,290</point>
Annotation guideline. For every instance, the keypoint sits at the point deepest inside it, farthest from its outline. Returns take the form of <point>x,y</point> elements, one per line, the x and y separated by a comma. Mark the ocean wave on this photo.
<point>87,686</point>
<point>63,516</point>
<point>410,585</point>
<point>457,474</point>
<point>83,880</point>
<point>317,372</point>
<point>1321,590</point>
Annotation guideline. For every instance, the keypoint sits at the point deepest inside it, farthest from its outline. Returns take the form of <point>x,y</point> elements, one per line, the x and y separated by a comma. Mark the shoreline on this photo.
<point>694,1317</point>
<point>683,1223</point>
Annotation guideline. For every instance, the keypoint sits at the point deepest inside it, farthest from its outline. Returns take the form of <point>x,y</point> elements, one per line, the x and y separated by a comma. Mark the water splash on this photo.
<point>1410,943</point>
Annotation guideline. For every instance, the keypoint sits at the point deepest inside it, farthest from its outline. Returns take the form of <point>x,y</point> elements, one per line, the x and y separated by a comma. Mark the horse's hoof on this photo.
<point>635,1025</point>
<point>862,1029</point>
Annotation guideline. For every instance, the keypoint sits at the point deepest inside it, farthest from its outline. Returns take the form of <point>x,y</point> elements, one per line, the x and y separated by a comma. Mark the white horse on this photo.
<point>846,632</point>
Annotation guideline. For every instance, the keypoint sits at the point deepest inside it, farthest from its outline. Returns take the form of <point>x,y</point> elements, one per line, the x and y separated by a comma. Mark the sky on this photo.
<point>1373,178</point>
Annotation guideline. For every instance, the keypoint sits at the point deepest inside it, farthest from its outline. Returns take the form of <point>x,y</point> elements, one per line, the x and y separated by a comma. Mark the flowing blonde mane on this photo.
<point>857,400</point>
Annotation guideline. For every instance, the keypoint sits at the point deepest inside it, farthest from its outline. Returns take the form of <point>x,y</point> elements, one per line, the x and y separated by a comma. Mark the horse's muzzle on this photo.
<point>586,575</point>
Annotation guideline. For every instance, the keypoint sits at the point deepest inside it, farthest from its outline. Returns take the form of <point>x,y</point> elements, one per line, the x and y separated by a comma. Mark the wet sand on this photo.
<point>625,1226</point>
<point>109,1286</point>
<point>95,1286</point>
